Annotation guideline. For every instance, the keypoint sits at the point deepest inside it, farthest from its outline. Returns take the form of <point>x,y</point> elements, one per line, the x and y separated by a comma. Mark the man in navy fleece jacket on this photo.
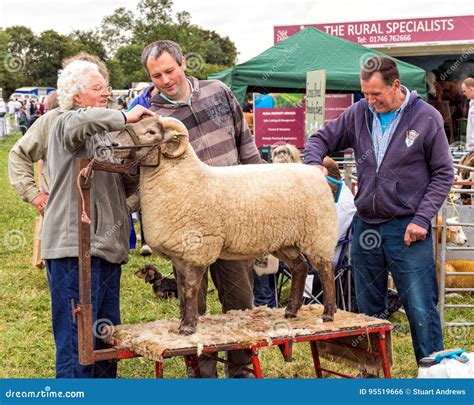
<point>404,171</point>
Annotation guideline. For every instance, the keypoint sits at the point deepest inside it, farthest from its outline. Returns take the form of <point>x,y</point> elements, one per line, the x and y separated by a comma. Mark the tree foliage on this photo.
<point>31,59</point>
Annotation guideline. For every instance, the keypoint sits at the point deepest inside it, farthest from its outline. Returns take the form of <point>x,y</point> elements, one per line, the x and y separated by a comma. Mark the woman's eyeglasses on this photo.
<point>102,90</point>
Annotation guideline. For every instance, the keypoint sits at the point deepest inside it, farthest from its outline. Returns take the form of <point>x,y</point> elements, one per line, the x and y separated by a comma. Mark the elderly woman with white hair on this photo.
<point>78,132</point>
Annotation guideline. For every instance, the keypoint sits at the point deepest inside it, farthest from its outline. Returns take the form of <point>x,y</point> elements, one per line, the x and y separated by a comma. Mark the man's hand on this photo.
<point>137,113</point>
<point>413,233</point>
<point>40,202</point>
<point>322,168</point>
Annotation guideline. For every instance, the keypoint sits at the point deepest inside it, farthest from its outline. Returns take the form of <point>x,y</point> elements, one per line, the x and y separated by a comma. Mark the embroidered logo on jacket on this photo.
<point>412,134</point>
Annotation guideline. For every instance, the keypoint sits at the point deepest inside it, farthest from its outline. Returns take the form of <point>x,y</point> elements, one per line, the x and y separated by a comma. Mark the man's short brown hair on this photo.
<point>385,66</point>
<point>468,82</point>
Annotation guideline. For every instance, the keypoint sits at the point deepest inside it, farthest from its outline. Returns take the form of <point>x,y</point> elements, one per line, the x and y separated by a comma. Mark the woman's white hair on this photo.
<point>73,80</point>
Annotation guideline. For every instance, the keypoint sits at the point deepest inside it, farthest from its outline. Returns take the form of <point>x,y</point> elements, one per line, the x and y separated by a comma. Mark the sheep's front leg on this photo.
<point>326,275</point>
<point>299,270</point>
<point>191,278</point>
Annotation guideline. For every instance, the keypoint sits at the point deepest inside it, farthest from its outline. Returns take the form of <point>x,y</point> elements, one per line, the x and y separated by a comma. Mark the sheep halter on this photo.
<point>137,145</point>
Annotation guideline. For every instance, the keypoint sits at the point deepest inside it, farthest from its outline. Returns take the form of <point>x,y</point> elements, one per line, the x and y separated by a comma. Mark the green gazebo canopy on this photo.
<point>283,67</point>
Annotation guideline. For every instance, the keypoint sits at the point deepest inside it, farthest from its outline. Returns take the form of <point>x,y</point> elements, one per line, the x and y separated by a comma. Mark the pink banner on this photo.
<point>273,126</point>
<point>279,125</point>
<point>335,104</point>
<point>412,30</point>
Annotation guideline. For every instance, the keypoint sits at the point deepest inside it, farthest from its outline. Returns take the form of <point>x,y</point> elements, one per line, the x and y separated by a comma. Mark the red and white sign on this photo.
<point>335,105</point>
<point>392,32</point>
<point>279,125</point>
<point>287,125</point>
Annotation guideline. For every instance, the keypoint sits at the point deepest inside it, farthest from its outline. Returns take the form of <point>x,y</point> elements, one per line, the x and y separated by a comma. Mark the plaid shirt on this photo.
<point>217,129</point>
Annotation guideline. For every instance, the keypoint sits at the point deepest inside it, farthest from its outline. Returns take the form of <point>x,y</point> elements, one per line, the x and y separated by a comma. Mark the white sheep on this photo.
<point>194,214</point>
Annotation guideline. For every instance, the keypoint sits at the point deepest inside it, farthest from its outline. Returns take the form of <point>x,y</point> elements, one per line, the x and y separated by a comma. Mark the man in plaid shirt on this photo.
<point>220,137</point>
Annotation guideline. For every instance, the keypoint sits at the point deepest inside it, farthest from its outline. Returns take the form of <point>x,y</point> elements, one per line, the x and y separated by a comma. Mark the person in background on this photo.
<point>32,108</point>
<point>51,101</point>
<point>42,108</point>
<point>405,172</point>
<point>145,93</point>
<point>220,137</point>
<point>3,121</point>
<point>3,108</point>
<point>33,119</point>
<point>265,285</point>
<point>33,146</point>
<point>12,117</point>
<point>345,207</point>
<point>468,91</point>
<point>22,120</point>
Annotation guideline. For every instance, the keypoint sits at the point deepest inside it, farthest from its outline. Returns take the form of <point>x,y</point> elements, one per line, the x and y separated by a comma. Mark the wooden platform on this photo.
<point>256,328</point>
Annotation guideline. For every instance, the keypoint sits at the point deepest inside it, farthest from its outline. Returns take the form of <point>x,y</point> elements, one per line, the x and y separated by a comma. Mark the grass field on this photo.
<point>26,339</point>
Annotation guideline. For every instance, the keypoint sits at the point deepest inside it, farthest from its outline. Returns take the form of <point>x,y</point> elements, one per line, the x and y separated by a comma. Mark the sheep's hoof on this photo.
<point>328,318</point>
<point>187,329</point>
<point>289,314</point>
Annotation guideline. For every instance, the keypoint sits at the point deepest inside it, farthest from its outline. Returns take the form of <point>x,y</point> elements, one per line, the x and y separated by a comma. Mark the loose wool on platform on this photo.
<point>197,213</point>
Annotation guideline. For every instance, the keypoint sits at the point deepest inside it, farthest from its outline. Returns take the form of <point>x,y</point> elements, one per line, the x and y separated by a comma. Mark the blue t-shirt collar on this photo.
<point>181,102</point>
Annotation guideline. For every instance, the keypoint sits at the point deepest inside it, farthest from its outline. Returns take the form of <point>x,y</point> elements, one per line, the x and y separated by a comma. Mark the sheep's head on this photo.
<point>140,140</point>
<point>456,234</point>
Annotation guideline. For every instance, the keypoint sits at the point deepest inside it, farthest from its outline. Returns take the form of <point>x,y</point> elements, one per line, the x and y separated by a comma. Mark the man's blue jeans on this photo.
<point>264,290</point>
<point>379,249</point>
<point>63,277</point>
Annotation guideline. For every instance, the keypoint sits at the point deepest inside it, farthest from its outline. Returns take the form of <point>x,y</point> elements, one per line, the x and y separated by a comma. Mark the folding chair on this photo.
<point>345,296</point>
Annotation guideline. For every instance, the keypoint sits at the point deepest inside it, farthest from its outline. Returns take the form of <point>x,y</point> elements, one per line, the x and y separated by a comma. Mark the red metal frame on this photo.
<point>83,311</point>
<point>285,344</point>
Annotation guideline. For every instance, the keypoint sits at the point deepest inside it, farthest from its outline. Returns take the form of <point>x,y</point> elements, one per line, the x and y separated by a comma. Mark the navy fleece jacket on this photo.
<point>416,173</point>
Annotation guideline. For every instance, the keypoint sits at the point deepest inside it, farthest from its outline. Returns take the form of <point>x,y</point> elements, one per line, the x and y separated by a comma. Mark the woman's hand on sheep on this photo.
<point>137,113</point>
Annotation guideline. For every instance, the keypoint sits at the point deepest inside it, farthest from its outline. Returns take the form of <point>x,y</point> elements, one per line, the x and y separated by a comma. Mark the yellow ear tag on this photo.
<point>175,134</point>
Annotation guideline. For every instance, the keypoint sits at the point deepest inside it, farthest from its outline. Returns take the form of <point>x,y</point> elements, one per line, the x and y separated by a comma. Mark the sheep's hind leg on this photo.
<point>326,275</point>
<point>191,278</point>
<point>299,271</point>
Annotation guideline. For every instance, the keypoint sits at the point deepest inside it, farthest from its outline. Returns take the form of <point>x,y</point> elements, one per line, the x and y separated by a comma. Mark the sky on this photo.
<point>249,23</point>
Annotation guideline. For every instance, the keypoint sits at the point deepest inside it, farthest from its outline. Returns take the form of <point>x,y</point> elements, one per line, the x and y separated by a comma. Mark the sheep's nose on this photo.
<point>114,144</point>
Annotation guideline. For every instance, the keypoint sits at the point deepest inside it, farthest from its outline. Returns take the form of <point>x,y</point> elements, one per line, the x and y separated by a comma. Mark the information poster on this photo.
<point>315,97</point>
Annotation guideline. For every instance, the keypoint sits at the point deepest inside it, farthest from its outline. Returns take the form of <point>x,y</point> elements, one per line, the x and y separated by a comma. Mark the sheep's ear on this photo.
<point>175,138</point>
<point>174,144</point>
